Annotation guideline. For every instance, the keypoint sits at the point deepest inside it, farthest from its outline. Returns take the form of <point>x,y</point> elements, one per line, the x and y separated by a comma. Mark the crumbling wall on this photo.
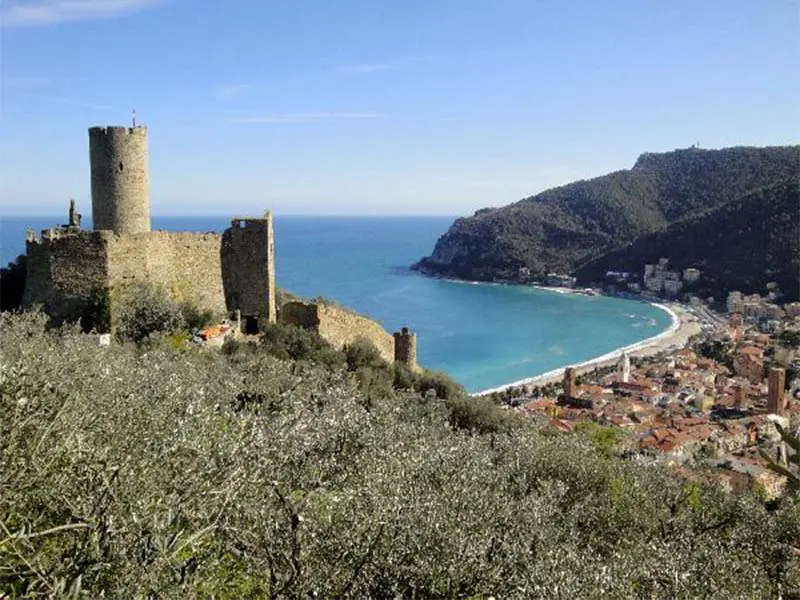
<point>300,314</point>
<point>64,270</point>
<point>338,326</point>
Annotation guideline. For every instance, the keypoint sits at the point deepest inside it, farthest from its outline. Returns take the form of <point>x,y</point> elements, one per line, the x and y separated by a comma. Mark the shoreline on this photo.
<point>674,337</point>
<point>683,326</point>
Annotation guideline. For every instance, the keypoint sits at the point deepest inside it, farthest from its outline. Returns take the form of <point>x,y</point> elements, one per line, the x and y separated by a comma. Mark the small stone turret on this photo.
<point>405,348</point>
<point>74,217</point>
<point>120,188</point>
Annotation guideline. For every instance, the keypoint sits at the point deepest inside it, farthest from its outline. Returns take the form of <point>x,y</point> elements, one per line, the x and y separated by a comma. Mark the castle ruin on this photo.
<point>232,273</point>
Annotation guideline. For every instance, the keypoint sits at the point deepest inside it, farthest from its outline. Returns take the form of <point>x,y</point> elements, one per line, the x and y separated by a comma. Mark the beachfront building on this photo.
<point>559,280</point>
<point>691,275</point>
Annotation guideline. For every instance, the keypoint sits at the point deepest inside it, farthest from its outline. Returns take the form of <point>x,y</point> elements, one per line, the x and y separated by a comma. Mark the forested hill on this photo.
<point>564,228</point>
<point>743,244</point>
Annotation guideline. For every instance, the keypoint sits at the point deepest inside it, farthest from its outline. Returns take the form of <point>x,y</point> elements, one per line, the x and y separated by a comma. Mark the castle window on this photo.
<point>120,166</point>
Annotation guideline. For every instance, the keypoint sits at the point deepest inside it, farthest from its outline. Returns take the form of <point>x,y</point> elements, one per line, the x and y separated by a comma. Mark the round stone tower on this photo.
<point>120,190</point>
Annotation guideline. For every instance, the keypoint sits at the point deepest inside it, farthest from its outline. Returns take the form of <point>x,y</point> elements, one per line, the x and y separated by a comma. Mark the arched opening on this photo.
<point>120,166</point>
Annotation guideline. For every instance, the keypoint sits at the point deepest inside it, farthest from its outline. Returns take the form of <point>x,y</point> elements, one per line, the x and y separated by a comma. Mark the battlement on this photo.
<point>115,130</point>
<point>252,222</point>
<point>50,235</point>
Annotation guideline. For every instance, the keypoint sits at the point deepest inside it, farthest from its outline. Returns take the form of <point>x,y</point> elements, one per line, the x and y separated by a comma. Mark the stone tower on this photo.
<point>739,395</point>
<point>405,348</point>
<point>247,257</point>
<point>776,380</point>
<point>120,189</point>
<point>569,382</point>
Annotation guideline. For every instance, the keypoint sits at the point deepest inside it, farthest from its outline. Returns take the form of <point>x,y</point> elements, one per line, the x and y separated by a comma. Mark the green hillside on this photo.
<point>743,244</point>
<point>564,228</point>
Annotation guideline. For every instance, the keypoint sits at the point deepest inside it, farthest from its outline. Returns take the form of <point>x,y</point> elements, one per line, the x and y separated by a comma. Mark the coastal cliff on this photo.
<point>565,229</point>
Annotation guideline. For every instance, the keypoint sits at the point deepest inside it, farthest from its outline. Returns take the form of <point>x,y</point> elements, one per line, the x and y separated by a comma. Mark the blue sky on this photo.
<point>382,106</point>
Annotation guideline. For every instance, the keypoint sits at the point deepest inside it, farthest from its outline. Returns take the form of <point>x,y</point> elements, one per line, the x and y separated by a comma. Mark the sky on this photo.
<point>382,106</point>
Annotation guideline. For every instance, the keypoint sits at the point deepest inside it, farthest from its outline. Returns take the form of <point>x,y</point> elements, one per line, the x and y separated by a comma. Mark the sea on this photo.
<point>482,335</point>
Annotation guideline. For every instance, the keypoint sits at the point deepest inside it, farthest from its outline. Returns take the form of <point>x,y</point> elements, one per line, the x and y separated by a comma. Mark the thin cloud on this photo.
<point>229,91</point>
<point>32,13</point>
<point>67,101</point>
<point>23,83</point>
<point>364,69</point>
<point>304,117</point>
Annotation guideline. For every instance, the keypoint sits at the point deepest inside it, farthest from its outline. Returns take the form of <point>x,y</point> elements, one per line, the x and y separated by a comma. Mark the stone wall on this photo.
<point>64,269</point>
<point>187,265</point>
<point>338,326</point>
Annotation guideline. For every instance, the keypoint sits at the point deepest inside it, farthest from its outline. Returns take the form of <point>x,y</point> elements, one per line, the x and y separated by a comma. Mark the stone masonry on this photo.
<point>66,267</point>
<point>338,326</point>
<point>119,174</point>
<point>405,348</point>
<point>248,269</point>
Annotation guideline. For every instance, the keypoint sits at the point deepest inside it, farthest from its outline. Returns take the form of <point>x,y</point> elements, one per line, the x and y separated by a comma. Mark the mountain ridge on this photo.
<point>564,228</point>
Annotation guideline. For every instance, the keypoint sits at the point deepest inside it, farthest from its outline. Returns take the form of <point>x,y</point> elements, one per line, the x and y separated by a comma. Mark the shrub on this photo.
<point>444,387</point>
<point>480,415</point>
<point>289,342</point>
<point>404,378</point>
<point>194,317</point>
<point>208,475</point>
<point>145,310</point>
<point>363,353</point>
<point>96,312</point>
<point>604,439</point>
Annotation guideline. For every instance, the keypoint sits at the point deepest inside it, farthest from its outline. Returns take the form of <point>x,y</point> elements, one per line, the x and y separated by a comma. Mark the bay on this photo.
<point>483,335</point>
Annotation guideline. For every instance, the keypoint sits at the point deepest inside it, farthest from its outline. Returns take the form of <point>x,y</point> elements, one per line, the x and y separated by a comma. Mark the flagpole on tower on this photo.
<point>134,118</point>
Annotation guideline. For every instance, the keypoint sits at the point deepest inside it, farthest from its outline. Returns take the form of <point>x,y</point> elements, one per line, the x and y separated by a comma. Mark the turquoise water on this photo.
<point>482,335</point>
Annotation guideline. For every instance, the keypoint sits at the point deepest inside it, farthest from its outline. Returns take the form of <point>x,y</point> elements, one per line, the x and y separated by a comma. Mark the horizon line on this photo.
<point>274,213</point>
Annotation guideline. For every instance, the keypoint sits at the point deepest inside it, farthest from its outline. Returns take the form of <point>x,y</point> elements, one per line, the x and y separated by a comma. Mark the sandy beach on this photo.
<point>683,327</point>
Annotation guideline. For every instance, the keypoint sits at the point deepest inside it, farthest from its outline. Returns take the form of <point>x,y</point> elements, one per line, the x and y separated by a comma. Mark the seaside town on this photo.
<point>708,397</point>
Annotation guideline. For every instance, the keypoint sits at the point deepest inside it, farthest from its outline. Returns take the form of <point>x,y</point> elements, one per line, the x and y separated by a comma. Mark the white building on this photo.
<point>672,286</point>
<point>624,367</point>
<point>691,275</point>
